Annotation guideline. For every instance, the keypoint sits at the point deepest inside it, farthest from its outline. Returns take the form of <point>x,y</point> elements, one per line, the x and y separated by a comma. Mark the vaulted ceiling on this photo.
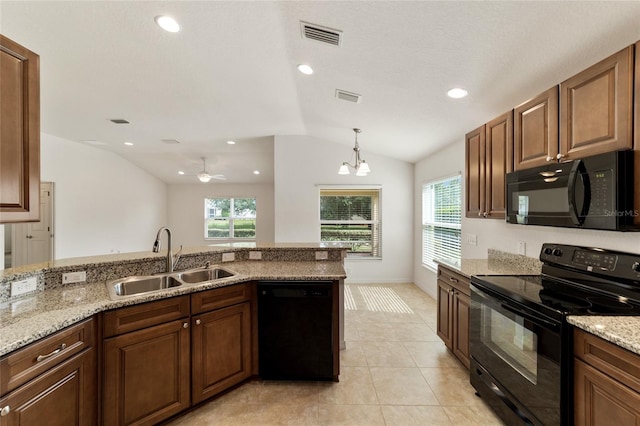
<point>230,73</point>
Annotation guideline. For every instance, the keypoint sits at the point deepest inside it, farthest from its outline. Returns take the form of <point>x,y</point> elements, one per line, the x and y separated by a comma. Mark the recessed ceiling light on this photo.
<point>180,172</point>
<point>256,172</point>
<point>457,93</point>
<point>167,23</point>
<point>128,143</point>
<point>231,142</point>
<point>305,69</point>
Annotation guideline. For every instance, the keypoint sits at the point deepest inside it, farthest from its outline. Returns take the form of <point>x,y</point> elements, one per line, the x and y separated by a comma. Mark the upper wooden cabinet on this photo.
<point>19,133</point>
<point>489,157</point>
<point>636,132</point>
<point>596,108</point>
<point>535,125</point>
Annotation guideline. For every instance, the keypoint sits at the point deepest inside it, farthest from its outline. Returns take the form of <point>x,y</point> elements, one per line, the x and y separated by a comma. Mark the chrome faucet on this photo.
<point>171,260</point>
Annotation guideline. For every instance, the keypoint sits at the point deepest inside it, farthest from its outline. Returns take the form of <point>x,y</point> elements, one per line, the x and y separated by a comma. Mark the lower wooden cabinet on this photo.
<point>65,395</point>
<point>221,350</point>
<point>606,383</point>
<point>454,302</point>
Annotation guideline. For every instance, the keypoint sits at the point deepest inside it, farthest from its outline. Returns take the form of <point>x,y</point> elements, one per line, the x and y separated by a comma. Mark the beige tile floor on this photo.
<point>394,371</point>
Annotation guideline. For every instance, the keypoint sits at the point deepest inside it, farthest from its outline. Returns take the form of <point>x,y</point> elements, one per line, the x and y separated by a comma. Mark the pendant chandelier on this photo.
<point>360,166</point>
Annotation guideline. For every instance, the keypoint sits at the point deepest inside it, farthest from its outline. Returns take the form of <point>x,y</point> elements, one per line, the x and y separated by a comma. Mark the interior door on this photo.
<point>33,241</point>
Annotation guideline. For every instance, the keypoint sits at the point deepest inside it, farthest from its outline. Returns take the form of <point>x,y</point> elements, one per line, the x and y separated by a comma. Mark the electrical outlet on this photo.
<point>322,255</point>
<point>522,248</point>
<point>24,286</point>
<point>255,255</point>
<point>74,277</point>
<point>472,239</point>
<point>228,257</point>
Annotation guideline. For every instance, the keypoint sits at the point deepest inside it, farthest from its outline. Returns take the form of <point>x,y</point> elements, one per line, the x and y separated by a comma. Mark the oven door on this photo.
<point>517,355</point>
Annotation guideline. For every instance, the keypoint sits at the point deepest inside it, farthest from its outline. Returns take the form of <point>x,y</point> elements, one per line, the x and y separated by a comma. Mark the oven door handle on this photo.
<point>536,320</point>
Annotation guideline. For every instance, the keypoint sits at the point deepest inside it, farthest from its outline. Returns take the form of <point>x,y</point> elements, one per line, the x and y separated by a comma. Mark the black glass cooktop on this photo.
<point>541,292</point>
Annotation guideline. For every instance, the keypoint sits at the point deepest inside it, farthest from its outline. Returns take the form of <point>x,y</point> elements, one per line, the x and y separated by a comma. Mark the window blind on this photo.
<point>441,220</point>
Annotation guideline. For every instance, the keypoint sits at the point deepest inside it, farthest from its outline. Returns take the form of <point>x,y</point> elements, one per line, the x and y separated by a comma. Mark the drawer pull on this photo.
<point>185,325</point>
<point>5,410</point>
<point>455,280</point>
<point>49,355</point>
<point>198,322</point>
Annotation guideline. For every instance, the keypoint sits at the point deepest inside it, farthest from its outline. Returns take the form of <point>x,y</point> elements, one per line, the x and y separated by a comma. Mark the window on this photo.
<point>230,218</point>
<point>441,215</point>
<point>352,217</point>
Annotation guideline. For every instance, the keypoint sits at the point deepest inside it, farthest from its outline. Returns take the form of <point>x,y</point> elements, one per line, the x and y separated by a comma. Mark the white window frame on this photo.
<point>432,246</point>
<point>376,251</point>
<point>231,219</point>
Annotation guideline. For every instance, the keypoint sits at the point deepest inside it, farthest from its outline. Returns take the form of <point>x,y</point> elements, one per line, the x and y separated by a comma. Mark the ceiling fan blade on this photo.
<point>219,177</point>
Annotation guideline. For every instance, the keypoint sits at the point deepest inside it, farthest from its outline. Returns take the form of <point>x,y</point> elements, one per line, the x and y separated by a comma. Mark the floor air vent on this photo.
<point>348,96</point>
<point>321,34</point>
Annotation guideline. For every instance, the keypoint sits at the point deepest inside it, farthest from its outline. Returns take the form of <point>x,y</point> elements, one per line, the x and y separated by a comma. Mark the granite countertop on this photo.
<point>28,319</point>
<point>620,330</point>
<point>498,263</point>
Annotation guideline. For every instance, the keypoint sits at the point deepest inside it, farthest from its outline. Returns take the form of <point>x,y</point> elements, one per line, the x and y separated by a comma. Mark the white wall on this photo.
<point>103,203</point>
<point>186,210</point>
<point>302,163</point>
<point>497,234</point>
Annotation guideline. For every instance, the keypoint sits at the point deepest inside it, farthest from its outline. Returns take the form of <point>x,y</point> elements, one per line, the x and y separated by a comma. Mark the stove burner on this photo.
<point>563,302</point>
<point>607,305</point>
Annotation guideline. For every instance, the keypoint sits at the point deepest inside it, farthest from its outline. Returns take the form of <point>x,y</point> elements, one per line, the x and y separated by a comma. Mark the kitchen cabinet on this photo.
<point>221,340</point>
<point>19,133</point>
<point>51,381</point>
<point>454,304</point>
<point>596,107</point>
<point>535,124</point>
<point>606,382</point>
<point>146,371</point>
<point>636,132</point>
<point>489,156</point>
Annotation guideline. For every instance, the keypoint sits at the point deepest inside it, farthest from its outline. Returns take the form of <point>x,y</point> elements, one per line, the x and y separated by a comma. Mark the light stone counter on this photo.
<point>27,319</point>
<point>620,330</point>
<point>498,263</point>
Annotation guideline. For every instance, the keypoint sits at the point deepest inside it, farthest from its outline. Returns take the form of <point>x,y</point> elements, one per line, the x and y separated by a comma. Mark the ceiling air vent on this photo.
<point>119,121</point>
<point>170,141</point>
<point>348,96</point>
<point>321,34</point>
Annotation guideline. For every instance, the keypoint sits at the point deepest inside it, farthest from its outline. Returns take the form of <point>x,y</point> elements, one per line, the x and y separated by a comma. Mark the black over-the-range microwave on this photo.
<point>591,193</point>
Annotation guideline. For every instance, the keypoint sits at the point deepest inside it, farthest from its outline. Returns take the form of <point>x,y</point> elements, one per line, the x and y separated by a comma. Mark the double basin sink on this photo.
<point>143,284</point>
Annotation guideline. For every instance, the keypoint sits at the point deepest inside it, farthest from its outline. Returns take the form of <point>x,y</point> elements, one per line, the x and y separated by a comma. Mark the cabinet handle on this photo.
<point>453,279</point>
<point>549,158</point>
<point>198,322</point>
<point>485,214</point>
<point>480,214</point>
<point>560,156</point>
<point>185,325</point>
<point>5,410</point>
<point>52,353</point>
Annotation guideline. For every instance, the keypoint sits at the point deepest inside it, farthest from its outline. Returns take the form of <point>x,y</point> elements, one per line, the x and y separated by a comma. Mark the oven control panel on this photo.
<point>613,264</point>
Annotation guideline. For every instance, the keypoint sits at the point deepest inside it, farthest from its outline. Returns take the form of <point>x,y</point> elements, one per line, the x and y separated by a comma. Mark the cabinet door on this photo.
<point>601,400</point>
<point>221,355</point>
<point>445,313</point>
<point>65,395</point>
<point>19,133</point>
<point>475,172</point>
<point>596,108</point>
<point>636,132</point>
<point>536,130</point>
<point>146,374</point>
<point>499,162</point>
<point>461,311</point>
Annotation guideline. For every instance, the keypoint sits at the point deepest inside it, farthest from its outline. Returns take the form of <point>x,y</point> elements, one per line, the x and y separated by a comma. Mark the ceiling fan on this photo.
<point>204,176</point>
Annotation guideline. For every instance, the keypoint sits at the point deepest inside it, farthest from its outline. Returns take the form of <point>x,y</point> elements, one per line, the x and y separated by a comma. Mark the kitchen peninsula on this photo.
<point>78,333</point>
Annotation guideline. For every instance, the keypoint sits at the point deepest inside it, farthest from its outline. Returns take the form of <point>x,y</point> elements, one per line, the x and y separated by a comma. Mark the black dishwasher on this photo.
<point>295,330</point>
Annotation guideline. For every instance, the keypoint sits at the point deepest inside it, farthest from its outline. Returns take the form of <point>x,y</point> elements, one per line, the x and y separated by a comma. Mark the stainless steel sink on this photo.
<point>140,284</point>
<point>203,275</point>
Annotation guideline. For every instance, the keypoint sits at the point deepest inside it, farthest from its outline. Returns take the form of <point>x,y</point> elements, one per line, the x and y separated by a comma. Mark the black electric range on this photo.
<point>520,342</point>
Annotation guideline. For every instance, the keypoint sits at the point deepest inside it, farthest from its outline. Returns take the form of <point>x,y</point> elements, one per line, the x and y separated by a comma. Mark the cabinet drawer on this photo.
<point>137,317</point>
<point>614,361</point>
<point>24,364</point>
<point>454,279</point>
<point>219,298</point>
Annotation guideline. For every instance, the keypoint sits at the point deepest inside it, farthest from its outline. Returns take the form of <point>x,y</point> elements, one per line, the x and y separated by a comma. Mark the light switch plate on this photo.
<point>228,257</point>
<point>322,255</point>
<point>522,248</point>
<point>74,277</point>
<point>255,255</point>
